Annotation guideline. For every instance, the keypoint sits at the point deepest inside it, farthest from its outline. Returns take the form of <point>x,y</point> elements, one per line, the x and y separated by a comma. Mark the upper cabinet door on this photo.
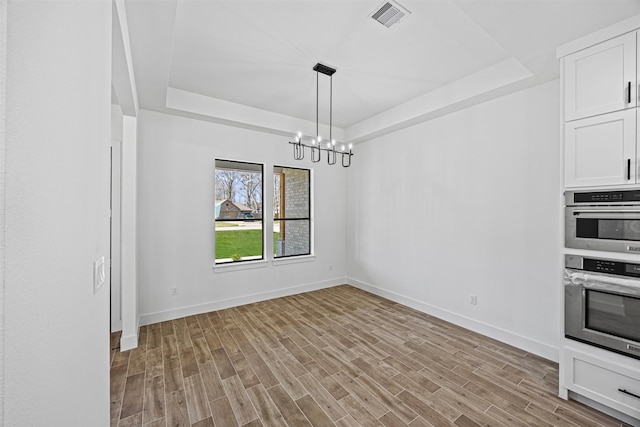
<point>601,79</point>
<point>601,150</point>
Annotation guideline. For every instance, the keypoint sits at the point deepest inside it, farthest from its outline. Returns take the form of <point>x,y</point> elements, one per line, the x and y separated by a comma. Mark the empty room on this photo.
<point>319,213</point>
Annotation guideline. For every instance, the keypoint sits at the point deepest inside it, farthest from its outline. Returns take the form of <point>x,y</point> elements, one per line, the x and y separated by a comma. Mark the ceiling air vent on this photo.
<point>389,13</point>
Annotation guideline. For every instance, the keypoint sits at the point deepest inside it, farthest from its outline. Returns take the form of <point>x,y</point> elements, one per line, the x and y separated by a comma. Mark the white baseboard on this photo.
<point>161,316</point>
<point>507,337</point>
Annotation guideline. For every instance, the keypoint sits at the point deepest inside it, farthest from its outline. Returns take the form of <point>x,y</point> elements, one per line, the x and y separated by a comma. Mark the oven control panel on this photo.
<point>602,197</point>
<point>600,265</point>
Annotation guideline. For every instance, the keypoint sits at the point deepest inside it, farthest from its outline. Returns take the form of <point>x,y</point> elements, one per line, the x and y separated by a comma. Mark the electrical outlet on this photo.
<point>174,290</point>
<point>473,300</point>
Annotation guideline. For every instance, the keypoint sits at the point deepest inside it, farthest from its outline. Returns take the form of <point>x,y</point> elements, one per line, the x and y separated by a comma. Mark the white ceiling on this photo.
<point>249,63</point>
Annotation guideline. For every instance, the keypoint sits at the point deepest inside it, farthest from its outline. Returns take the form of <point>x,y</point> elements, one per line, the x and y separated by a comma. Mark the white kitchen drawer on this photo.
<point>603,381</point>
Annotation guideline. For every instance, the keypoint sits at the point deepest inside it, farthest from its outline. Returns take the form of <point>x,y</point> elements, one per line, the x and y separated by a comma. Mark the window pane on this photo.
<point>292,237</point>
<point>291,193</point>
<point>291,212</point>
<point>238,241</point>
<point>238,211</point>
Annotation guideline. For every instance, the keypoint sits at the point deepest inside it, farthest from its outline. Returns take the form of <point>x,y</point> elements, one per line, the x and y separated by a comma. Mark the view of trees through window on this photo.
<point>240,186</point>
<point>238,211</point>
<point>239,227</point>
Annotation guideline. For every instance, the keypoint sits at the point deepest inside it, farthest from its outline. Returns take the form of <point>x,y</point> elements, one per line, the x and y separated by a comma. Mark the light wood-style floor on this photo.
<point>337,356</point>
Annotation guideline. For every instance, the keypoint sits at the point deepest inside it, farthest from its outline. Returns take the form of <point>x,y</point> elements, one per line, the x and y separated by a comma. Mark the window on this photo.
<point>238,211</point>
<point>291,211</point>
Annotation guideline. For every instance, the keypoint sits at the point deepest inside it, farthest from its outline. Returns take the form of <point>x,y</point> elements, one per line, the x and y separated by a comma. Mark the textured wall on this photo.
<point>176,210</point>
<point>57,213</point>
<point>3,94</point>
<point>481,195</point>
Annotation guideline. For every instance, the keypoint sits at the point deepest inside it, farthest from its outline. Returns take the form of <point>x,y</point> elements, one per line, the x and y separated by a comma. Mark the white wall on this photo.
<point>176,203</point>
<point>116,231</point>
<point>3,98</point>
<point>57,213</point>
<point>129,234</point>
<point>466,204</point>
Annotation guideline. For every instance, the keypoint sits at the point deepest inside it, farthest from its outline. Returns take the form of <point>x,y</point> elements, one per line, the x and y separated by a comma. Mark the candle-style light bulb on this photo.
<point>350,147</point>
<point>342,148</point>
<point>333,142</point>
<point>319,139</point>
<point>313,141</point>
<point>299,135</point>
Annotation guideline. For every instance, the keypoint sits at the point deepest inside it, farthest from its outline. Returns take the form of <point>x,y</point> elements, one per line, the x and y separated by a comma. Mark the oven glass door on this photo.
<point>597,227</point>
<point>615,229</point>
<point>613,314</point>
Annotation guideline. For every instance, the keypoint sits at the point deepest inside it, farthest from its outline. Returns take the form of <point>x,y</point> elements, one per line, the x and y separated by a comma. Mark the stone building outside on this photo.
<point>294,207</point>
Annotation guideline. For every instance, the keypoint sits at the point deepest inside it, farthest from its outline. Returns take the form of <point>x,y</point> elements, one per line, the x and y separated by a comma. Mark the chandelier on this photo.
<point>317,144</point>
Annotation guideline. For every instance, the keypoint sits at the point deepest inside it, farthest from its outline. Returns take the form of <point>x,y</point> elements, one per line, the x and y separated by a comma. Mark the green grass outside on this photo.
<point>242,242</point>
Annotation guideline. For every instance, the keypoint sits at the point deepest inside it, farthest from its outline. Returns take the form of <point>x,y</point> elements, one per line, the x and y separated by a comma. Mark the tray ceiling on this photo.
<point>249,63</point>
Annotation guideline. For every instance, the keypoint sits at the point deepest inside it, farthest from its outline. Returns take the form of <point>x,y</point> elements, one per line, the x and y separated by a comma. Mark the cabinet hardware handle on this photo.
<point>621,390</point>
<point>629,93</point>
<point>628,169</point>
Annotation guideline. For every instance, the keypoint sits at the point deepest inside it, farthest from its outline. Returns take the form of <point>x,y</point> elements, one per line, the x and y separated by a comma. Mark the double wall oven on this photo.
<point>602,294</point>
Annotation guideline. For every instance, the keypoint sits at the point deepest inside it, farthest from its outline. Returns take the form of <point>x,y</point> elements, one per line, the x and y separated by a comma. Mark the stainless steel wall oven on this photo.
<point>603,220</point>
<point>602,303</point>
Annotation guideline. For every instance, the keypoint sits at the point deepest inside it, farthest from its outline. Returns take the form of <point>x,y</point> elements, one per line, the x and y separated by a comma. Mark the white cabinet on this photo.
<point>601,150</point>
<point>600,85</point>
<point>601,78</point>
<point>614,384</point>
<point>601,132</point>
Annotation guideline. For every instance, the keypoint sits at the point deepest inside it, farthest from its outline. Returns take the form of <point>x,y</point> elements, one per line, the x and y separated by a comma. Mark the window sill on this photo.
<point>236,266</point>
<point>262,263</point>
<point>294,260</point>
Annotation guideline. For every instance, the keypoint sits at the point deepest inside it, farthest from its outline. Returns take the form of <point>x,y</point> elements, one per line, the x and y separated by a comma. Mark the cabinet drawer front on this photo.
<point>598,79</point>
<point>598,382</point>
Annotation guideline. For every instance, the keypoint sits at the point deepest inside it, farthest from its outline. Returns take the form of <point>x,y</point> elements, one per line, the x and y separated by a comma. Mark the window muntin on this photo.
<point>239,233</point>
<point>291,211</point>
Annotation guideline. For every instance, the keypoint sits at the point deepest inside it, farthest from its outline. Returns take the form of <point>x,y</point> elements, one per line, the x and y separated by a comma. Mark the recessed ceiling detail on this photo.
<point>389,13</point>
<point>449,55</point>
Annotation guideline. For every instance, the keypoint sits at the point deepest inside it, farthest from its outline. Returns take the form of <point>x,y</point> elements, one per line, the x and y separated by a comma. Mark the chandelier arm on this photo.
<point>315,150</point>
<point>331,156</point>
<point>348,156</point>
<point>298,150</point>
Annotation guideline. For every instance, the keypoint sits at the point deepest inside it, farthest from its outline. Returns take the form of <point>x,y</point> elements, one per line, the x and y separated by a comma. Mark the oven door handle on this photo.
<point>622,285</point>
<point>595,211</point>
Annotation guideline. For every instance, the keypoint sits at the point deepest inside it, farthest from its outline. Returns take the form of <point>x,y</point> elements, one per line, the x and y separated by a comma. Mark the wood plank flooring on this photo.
<point>338,356</point>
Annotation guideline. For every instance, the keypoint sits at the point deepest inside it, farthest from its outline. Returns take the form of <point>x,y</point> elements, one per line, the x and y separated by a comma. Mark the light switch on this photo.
<point>98,274</point>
